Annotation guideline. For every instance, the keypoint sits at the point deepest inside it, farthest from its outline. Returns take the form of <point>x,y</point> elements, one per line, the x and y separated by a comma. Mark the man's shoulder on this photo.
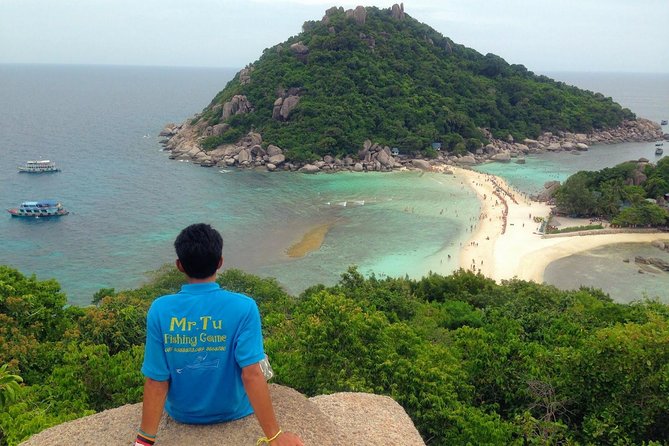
<point>221,293</point>
<point>237,298</point>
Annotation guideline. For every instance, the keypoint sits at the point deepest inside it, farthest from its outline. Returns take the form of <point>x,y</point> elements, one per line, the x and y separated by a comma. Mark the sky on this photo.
<point>543,35</point>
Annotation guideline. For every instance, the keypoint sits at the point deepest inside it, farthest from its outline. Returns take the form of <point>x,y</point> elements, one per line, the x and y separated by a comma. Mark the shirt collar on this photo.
<point>193,288</point>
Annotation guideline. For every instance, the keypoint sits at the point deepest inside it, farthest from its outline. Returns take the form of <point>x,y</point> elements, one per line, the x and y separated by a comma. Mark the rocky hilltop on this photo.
<point>368,89</point>
<point>341,419</point>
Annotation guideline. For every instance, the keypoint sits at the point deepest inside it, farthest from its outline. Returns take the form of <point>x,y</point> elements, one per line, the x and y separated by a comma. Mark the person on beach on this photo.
<point>204,349</point>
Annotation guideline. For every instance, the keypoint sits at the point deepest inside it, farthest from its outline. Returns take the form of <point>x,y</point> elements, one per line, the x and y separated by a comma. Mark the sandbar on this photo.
<point>506,242</point>
<point>311,241</point>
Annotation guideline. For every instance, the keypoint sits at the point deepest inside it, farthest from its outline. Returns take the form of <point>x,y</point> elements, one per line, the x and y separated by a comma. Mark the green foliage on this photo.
<point>575,229</point>
<point>642,214</point>
<point>609,193</point>
<point>399,83</point>
<point>470,360</point>
<point>9,386</point>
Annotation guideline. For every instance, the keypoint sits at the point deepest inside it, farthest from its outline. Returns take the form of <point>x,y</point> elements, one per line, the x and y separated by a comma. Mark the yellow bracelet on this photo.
<point>266,440</point>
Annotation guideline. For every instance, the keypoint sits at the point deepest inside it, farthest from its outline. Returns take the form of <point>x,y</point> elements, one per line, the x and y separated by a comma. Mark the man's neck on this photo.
<point>193,280</point>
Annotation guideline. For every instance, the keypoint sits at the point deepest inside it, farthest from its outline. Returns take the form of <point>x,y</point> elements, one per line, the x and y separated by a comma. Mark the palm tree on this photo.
<point>9,386</point>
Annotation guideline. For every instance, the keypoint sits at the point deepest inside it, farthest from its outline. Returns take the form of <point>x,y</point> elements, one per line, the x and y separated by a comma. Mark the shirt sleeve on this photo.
<point>155,362</point>
<point>249,346</point>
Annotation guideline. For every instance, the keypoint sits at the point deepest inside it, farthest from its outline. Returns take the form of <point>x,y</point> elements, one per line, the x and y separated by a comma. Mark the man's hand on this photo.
<point>258,393</point>
<point>287,439</point>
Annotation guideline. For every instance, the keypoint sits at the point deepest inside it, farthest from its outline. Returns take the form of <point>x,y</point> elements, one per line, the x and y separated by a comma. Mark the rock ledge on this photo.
<point>340,419</point>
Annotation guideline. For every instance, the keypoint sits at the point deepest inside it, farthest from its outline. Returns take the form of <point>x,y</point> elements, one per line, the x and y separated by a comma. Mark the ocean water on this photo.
<point>647,95</point>
<point>128,201</point>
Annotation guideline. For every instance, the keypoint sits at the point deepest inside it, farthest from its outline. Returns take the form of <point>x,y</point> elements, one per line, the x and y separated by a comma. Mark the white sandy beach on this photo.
<point>506,243</point>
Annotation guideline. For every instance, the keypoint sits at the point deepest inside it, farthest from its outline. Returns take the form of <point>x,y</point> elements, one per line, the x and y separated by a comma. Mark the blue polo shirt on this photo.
<point>199,340</point>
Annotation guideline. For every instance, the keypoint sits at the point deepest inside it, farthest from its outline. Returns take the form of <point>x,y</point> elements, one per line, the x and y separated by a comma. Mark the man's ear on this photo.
<point>220,263</point>
<point>180,266</point>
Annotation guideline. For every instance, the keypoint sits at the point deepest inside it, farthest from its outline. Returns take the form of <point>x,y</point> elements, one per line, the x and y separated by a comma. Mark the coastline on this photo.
<point>505,248</point>
<point>533,263</point>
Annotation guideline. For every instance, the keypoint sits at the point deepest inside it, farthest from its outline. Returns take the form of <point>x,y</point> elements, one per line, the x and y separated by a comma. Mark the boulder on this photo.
<point>466,160</point>
<point>299,49</point>
<point>421,164</point>
<point>531,143</point>
<point>550,188</point>
<point>309,168</point>
<point>277,159</point>
<point>397,11</point>
<point>340,419</point>
<point>359,14</point>
<point>273,150</point>
<point>239,104</point>
<point>384,158</point>
<point>244,156</point>
<point>276,110</point>
<point>270,167</point>
<point>582,147</point>
<point>520,161</point>
<point>503,157</point>
<point>245,76</point>
<point>170,130</point>
<point>219,129</point>
<point>288,105</point>
<point>357,167</point>
<point>255,137</point>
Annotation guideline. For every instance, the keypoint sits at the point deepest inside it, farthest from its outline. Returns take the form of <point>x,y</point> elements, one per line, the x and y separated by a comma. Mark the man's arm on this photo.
<point>155,393</point>
<point>258,392</point>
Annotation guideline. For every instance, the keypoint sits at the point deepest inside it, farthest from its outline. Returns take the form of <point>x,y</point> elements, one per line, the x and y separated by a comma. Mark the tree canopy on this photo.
<point>471,361</point>
<point>611,193</point>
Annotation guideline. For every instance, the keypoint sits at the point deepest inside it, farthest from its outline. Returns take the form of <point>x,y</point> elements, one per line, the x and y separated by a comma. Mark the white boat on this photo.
<point>39,209</point>
<point>39,166</point>
<point>664,122</point>
<point>658,148</point>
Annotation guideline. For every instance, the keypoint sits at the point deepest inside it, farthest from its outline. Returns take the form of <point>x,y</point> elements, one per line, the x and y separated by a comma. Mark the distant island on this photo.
<point>374,89</point>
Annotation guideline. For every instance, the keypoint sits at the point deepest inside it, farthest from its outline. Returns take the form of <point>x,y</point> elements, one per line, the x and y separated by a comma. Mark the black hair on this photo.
<point>199,248</point>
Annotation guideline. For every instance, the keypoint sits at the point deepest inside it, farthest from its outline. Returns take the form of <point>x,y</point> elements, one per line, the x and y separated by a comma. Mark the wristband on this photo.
<point>266,440</point>
<point>144,439</point>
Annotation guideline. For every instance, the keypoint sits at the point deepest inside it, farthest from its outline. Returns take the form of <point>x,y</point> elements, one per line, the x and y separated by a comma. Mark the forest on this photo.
<point>398,83</point>
<point>629,194</point>
<point>471,361</point>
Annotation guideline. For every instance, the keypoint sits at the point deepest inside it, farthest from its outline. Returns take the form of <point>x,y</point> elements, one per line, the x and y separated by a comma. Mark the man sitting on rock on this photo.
<point>204,349</point>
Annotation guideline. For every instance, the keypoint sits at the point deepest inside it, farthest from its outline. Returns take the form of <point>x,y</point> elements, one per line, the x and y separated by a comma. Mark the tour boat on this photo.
<point>39,166</point>
<point>39,209</point>
<point>658,148</point>
<point>664,122</point>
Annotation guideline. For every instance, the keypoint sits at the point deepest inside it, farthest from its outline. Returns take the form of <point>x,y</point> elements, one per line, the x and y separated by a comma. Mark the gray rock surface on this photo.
<point>503,157</point>
<point>341,419</point>
<point>239,104</point>
<point>277,159</point>
<point>288,105</point>
<point>421,164</point>
<point>309,168</point>
<point>397,11</point>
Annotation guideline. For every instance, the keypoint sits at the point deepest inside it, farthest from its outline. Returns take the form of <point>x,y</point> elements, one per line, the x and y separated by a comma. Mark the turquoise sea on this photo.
<point>128,200</point>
